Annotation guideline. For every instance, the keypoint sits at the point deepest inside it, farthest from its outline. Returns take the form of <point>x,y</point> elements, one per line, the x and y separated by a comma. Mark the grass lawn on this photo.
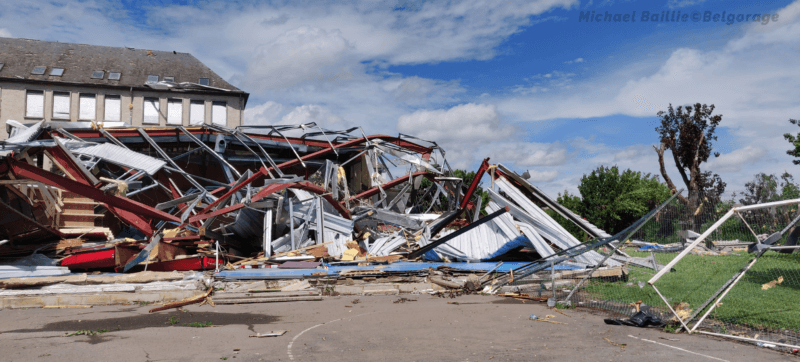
<point>697,277</point>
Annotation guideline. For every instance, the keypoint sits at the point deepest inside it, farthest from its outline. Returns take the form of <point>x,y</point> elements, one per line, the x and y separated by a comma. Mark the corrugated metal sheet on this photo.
<point>27,134</point>
<point>116,155</point>
<point>547,200</point>
<point>545,225</point>
<point>483,242</point>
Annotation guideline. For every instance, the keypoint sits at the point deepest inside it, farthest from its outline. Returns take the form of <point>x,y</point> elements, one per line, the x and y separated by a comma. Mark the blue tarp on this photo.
<point>402,266</point>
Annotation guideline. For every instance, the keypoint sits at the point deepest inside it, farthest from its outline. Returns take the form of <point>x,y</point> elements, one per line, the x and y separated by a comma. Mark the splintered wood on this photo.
<point>202,298</point>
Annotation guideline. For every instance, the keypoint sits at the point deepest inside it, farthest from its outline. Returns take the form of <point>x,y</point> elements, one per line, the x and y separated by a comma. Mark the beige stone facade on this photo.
<point>14,97</point>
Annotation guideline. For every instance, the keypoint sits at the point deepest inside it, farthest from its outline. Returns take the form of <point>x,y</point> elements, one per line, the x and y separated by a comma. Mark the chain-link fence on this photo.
<point>748,293</point>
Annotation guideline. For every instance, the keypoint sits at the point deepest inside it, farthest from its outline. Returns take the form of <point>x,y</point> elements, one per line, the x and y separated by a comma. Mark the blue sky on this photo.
<point>522,82</point>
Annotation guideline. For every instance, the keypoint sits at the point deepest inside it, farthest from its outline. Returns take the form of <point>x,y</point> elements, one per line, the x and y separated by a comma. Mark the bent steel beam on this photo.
<point>271,189</point>
<point>475,181</point>
<point>22,169</point>
<point>375,190</point>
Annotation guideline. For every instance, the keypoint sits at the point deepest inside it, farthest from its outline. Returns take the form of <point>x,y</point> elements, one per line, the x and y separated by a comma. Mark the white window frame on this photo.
<point>174,111</point>
<point>193,106</point>
<point>59,96</point>
<point>107,108</point>
<point>81,110</point>
<point>214,108</point>
<point>157,105</point>
<point>28,94</point>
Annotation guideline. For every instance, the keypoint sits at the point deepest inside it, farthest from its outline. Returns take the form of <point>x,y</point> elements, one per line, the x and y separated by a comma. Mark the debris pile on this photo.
<point>280,199</point>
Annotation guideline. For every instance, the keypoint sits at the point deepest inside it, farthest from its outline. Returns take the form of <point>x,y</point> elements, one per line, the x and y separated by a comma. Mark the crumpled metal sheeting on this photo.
<point>336,229</point>
<point>547,200</point>
<point>112,153</point>
<point>385,245</point>
<point>543,223</point>
<point>410,159</point>
<point>27,134</point>
<point>483,242</point>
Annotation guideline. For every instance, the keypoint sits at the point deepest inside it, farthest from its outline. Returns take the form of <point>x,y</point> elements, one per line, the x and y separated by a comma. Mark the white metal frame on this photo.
<point>699,240</point>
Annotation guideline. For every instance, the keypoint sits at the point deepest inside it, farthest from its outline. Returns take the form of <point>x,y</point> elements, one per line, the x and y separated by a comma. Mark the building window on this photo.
<point>203,81</point>
<point>169,79</point>
<point>114,76</point>
<point>56,72</point>
<point>151,107</point>
<point>61,105</point>
<point>87,107</point>
<point>197,113</point>
<point>34,107</point>
<point>38,70</point>
<point>152,78</point>
<point>113,109</point>
<point>98,74</point>
<point>175,111</point>
<point>219,113</point>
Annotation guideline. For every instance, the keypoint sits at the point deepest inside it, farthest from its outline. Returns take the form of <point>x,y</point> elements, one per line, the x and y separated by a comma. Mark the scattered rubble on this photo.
<point>260,203</point>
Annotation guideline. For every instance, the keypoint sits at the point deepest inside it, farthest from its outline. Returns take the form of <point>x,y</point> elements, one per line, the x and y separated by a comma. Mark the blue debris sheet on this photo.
<point>398,267</point>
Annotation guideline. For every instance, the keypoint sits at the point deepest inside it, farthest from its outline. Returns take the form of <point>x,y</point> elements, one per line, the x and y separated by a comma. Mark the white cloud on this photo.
<point>577,60</point>
<point>312,113</point>
<point>736,160</point>
<point>544,176</point>
<point>263,114</point>
<point>4,33</point>
<point>530,154</point>
<point>300,56</point>
<point>463,124</point>
<point>633,153</point>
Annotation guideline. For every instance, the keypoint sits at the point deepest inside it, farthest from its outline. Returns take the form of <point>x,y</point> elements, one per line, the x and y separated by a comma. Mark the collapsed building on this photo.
<point>125,198</point>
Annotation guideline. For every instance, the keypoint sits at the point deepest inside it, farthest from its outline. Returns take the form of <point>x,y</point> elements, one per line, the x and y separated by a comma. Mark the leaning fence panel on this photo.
<point>740,280</point>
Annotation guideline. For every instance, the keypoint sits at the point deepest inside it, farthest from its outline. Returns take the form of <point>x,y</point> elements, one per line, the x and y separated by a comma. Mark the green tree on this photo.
<point>767,188</point>
<point>613,200</point>
<point>574,203</point>
<point>795,141</point>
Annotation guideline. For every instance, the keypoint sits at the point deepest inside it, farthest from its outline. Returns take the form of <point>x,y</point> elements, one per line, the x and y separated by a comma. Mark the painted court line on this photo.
<point>289,347</point>
<point>678,348</point>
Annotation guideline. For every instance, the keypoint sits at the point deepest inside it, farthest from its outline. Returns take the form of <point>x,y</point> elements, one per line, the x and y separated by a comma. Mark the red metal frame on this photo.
<point>24,170</point>
<point>133,132</point>
<point>477,180</point>
<point>90,260</point>
<point>271,189</point>
<point>187,264</point>
<point>393,183</point>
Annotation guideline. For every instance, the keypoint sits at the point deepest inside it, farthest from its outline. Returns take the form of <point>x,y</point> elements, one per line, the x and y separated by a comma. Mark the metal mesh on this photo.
<point>760,307</point>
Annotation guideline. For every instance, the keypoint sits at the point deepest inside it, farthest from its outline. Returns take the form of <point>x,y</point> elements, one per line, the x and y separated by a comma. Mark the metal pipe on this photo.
<point>749,339</point>
<point>670,307</point>
<point>726,292</point>
<point>691,246</point>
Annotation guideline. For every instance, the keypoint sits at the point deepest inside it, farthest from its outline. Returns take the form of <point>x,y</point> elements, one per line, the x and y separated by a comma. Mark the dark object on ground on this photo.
<point>640,319</point>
